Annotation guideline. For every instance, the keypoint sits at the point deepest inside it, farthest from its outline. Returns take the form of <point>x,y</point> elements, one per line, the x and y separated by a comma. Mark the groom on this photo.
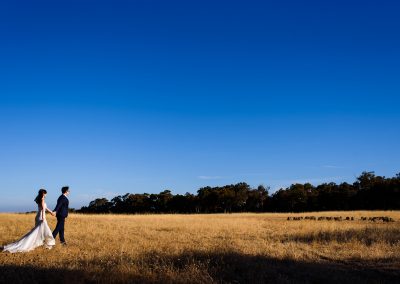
<point>61,213</point>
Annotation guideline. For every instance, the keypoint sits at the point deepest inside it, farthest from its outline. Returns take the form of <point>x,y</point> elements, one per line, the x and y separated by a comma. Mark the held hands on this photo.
<point>53,213</point>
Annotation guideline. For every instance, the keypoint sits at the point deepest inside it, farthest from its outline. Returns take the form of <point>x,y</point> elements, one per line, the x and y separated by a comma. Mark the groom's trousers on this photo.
<point>60,229</point>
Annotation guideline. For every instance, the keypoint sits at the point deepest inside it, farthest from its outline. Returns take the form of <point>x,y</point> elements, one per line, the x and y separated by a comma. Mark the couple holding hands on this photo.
<point>41,233</point>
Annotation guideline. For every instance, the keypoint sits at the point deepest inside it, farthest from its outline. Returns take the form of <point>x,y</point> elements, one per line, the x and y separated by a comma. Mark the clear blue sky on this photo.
<point>112,97</point>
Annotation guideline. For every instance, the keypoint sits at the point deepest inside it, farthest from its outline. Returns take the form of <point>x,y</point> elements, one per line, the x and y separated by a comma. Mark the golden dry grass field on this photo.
<point>218,248</point>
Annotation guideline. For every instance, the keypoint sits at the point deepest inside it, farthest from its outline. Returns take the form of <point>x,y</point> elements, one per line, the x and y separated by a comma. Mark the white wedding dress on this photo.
<point>38,236</point>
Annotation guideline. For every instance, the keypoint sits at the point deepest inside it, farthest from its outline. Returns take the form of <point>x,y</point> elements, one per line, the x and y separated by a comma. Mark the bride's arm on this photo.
<point>43,208</point>
<point>47,209</point>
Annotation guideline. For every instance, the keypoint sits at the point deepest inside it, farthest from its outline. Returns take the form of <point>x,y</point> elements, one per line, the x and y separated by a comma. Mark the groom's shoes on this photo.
<point>63,243</point>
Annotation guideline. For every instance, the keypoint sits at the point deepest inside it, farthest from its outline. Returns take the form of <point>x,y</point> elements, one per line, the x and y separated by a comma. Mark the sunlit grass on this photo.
<point>208,248</point>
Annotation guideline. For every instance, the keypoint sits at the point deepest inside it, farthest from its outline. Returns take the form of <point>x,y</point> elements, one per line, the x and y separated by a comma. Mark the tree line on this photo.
<point>368,192</point>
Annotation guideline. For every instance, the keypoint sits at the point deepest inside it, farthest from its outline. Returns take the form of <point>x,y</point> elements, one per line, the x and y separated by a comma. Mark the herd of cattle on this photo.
<point>373,219</point>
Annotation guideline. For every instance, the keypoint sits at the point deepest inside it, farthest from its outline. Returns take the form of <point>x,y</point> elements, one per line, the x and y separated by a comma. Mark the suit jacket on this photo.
<point>62,207</point>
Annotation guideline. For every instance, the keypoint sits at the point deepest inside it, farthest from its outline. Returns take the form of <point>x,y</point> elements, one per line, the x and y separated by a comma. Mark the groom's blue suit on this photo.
<point>62,213</point>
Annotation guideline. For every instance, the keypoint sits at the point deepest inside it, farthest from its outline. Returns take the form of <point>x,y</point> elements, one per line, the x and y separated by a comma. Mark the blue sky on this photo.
<point>112,97</point>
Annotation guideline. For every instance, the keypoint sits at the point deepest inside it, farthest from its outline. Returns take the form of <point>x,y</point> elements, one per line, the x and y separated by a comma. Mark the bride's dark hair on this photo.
<point>39,197</point>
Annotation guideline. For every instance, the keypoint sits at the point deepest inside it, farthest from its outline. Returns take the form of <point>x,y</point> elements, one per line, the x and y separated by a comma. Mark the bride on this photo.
<point>40,234</point>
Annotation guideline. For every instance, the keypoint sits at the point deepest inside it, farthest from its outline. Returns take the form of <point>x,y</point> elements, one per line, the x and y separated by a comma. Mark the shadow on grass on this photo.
<point>367,236</point>
<point>31,274</point>
<point>198,267</point>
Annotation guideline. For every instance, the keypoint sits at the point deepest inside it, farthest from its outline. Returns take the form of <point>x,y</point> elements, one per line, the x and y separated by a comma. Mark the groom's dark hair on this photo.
<point>64,189</point>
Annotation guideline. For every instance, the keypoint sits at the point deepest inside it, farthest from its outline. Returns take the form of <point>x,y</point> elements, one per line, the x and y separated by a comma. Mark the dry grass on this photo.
<point>235,248</point>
